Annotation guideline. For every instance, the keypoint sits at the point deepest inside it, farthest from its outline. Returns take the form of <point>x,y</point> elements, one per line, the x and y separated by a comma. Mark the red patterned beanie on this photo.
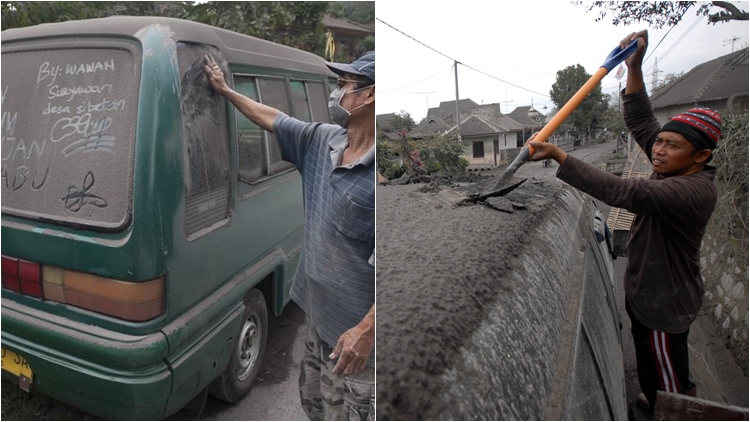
<point>700,126</point>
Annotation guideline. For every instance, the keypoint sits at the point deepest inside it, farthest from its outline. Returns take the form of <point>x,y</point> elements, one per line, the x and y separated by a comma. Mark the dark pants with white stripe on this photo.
<point>662,359</point>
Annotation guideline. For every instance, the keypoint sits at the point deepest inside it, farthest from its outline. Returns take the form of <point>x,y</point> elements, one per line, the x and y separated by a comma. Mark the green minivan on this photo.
<point>147,227</point>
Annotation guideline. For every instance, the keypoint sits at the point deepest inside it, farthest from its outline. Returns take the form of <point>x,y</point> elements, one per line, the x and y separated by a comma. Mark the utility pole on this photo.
<point>655,75</point>
<point>426,93</point>
<point>458,113</point>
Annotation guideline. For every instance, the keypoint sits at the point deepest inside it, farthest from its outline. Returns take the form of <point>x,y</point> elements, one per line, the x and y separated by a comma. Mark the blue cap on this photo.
<point>363,66</point>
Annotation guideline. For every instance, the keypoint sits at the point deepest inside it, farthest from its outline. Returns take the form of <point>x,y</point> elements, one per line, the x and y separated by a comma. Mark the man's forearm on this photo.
<point>635,80</point>
<point>368,322</point>
<point>260,114</point>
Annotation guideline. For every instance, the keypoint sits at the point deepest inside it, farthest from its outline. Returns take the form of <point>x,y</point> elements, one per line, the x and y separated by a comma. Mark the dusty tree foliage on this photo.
<point>662,13</point>
<point>731,162</point>
<point>446,151</point>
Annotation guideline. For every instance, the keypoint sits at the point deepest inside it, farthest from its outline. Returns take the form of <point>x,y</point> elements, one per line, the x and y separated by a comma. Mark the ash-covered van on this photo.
<point>147,228</point>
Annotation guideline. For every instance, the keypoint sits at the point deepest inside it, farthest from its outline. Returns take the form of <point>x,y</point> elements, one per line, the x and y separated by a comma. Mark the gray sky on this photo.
<point>521,43</point>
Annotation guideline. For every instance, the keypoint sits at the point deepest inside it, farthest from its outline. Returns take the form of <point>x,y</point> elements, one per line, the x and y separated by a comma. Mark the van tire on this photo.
<point>247,352</point>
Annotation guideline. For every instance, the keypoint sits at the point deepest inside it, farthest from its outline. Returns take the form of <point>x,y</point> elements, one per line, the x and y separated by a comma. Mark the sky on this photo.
<point>523,44</point>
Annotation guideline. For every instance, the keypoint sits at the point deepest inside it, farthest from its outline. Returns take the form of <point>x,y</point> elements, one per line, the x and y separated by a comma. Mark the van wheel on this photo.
<point>247,353</point>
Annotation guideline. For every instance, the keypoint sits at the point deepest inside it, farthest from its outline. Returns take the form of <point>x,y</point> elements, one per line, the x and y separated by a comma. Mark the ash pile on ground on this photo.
<point>433,183</point>
<point>440,269</point>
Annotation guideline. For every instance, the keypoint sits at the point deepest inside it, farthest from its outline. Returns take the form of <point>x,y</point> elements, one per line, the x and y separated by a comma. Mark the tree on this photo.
<point>383,156</point>
<point>661,13</point>
<point>446,150</point>
<point>565,127</point>
<point>599,112</point>
<point>667,80</point>
<point>410,156</point>
<point>24,13</point>
<point>401,121</point>
<point>358,11</point>
<point>568,82</point>
<point>365,44</point>
<point>297,24</point>
<point>612,117</point>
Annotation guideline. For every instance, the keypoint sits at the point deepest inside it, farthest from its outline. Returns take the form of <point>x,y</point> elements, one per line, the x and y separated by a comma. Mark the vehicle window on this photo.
<point>259,154</point>
<point>273,93</point>
<point>205,138</point>
<point>68,133</point>
<point>300,103</point>
<point>250,137</point>
<point>318,101</point>
<point>309,101</point>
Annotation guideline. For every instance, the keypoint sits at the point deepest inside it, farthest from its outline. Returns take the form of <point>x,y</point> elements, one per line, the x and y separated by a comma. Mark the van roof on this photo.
<point>234,46</point>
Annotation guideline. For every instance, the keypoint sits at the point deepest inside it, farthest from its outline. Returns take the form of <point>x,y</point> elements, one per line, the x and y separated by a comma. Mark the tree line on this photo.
<point>296,24</point>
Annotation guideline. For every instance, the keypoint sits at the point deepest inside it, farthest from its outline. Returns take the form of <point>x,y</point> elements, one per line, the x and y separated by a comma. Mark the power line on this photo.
<point>409,36</point>
<point>409,84</point>
<point>665,36</point>
<point>676,42</point>
<point>681,38</point>
<point>458,61</point>
<point>511,84</point>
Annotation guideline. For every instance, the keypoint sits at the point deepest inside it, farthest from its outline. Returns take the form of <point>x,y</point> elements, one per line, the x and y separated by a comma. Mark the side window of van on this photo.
<point>309,101</point>
<point>300,102</point>
<point>259,155</point>
<point>207,182</point>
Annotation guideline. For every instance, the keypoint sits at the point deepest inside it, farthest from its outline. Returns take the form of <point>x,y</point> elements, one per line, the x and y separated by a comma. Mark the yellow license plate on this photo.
<point>16,364</point>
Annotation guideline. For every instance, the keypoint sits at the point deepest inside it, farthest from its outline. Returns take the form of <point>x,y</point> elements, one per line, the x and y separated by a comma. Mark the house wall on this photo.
<point>664,114</point>
<point>482,162</point>
<point>739,103</point>
<point>512,139</point>
<point>506,141</point>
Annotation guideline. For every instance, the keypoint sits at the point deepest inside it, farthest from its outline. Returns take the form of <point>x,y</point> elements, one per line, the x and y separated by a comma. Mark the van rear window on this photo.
<point>68,130</point>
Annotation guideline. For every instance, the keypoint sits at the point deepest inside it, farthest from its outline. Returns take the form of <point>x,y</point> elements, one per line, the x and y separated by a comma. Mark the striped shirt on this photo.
<point>334,283</point>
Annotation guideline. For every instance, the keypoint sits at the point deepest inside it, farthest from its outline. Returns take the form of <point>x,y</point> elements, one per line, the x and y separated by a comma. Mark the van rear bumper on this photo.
<point>99,371</point>
<point>119,376</point>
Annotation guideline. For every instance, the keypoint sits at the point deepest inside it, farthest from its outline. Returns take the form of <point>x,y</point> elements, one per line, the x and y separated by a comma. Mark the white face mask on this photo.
<point>339,114</point>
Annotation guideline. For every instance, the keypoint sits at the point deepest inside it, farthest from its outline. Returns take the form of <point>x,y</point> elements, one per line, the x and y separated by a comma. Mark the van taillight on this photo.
<point>22,276</point>
<point>122,299</point>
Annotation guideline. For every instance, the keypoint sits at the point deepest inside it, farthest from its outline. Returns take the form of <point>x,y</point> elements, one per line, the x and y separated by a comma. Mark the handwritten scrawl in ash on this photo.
<point>75,198</point>
<point>91,132</point>
<point>104,143</point>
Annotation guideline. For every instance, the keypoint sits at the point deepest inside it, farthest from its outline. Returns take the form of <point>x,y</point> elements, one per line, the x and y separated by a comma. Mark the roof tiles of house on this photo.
<point>492,113</point>
<point>714,80</point>
<point>431,125</point>
<point>476,120</point>
<point>346,26</point>
<point>383,121</point>
<point>475,125</point>
<point>521,115</point>
<point>447,109</point>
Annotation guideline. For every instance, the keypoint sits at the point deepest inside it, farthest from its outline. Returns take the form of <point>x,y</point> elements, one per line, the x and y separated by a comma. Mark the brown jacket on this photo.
<point>662,281</point>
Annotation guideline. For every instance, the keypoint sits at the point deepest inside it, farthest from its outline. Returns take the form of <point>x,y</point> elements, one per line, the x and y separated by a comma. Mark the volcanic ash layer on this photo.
<point>443,272</point>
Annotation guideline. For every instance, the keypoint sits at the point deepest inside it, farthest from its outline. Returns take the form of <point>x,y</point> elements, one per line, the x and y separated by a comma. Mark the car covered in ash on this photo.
<point>147,227</point>
<point>501,311</point>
